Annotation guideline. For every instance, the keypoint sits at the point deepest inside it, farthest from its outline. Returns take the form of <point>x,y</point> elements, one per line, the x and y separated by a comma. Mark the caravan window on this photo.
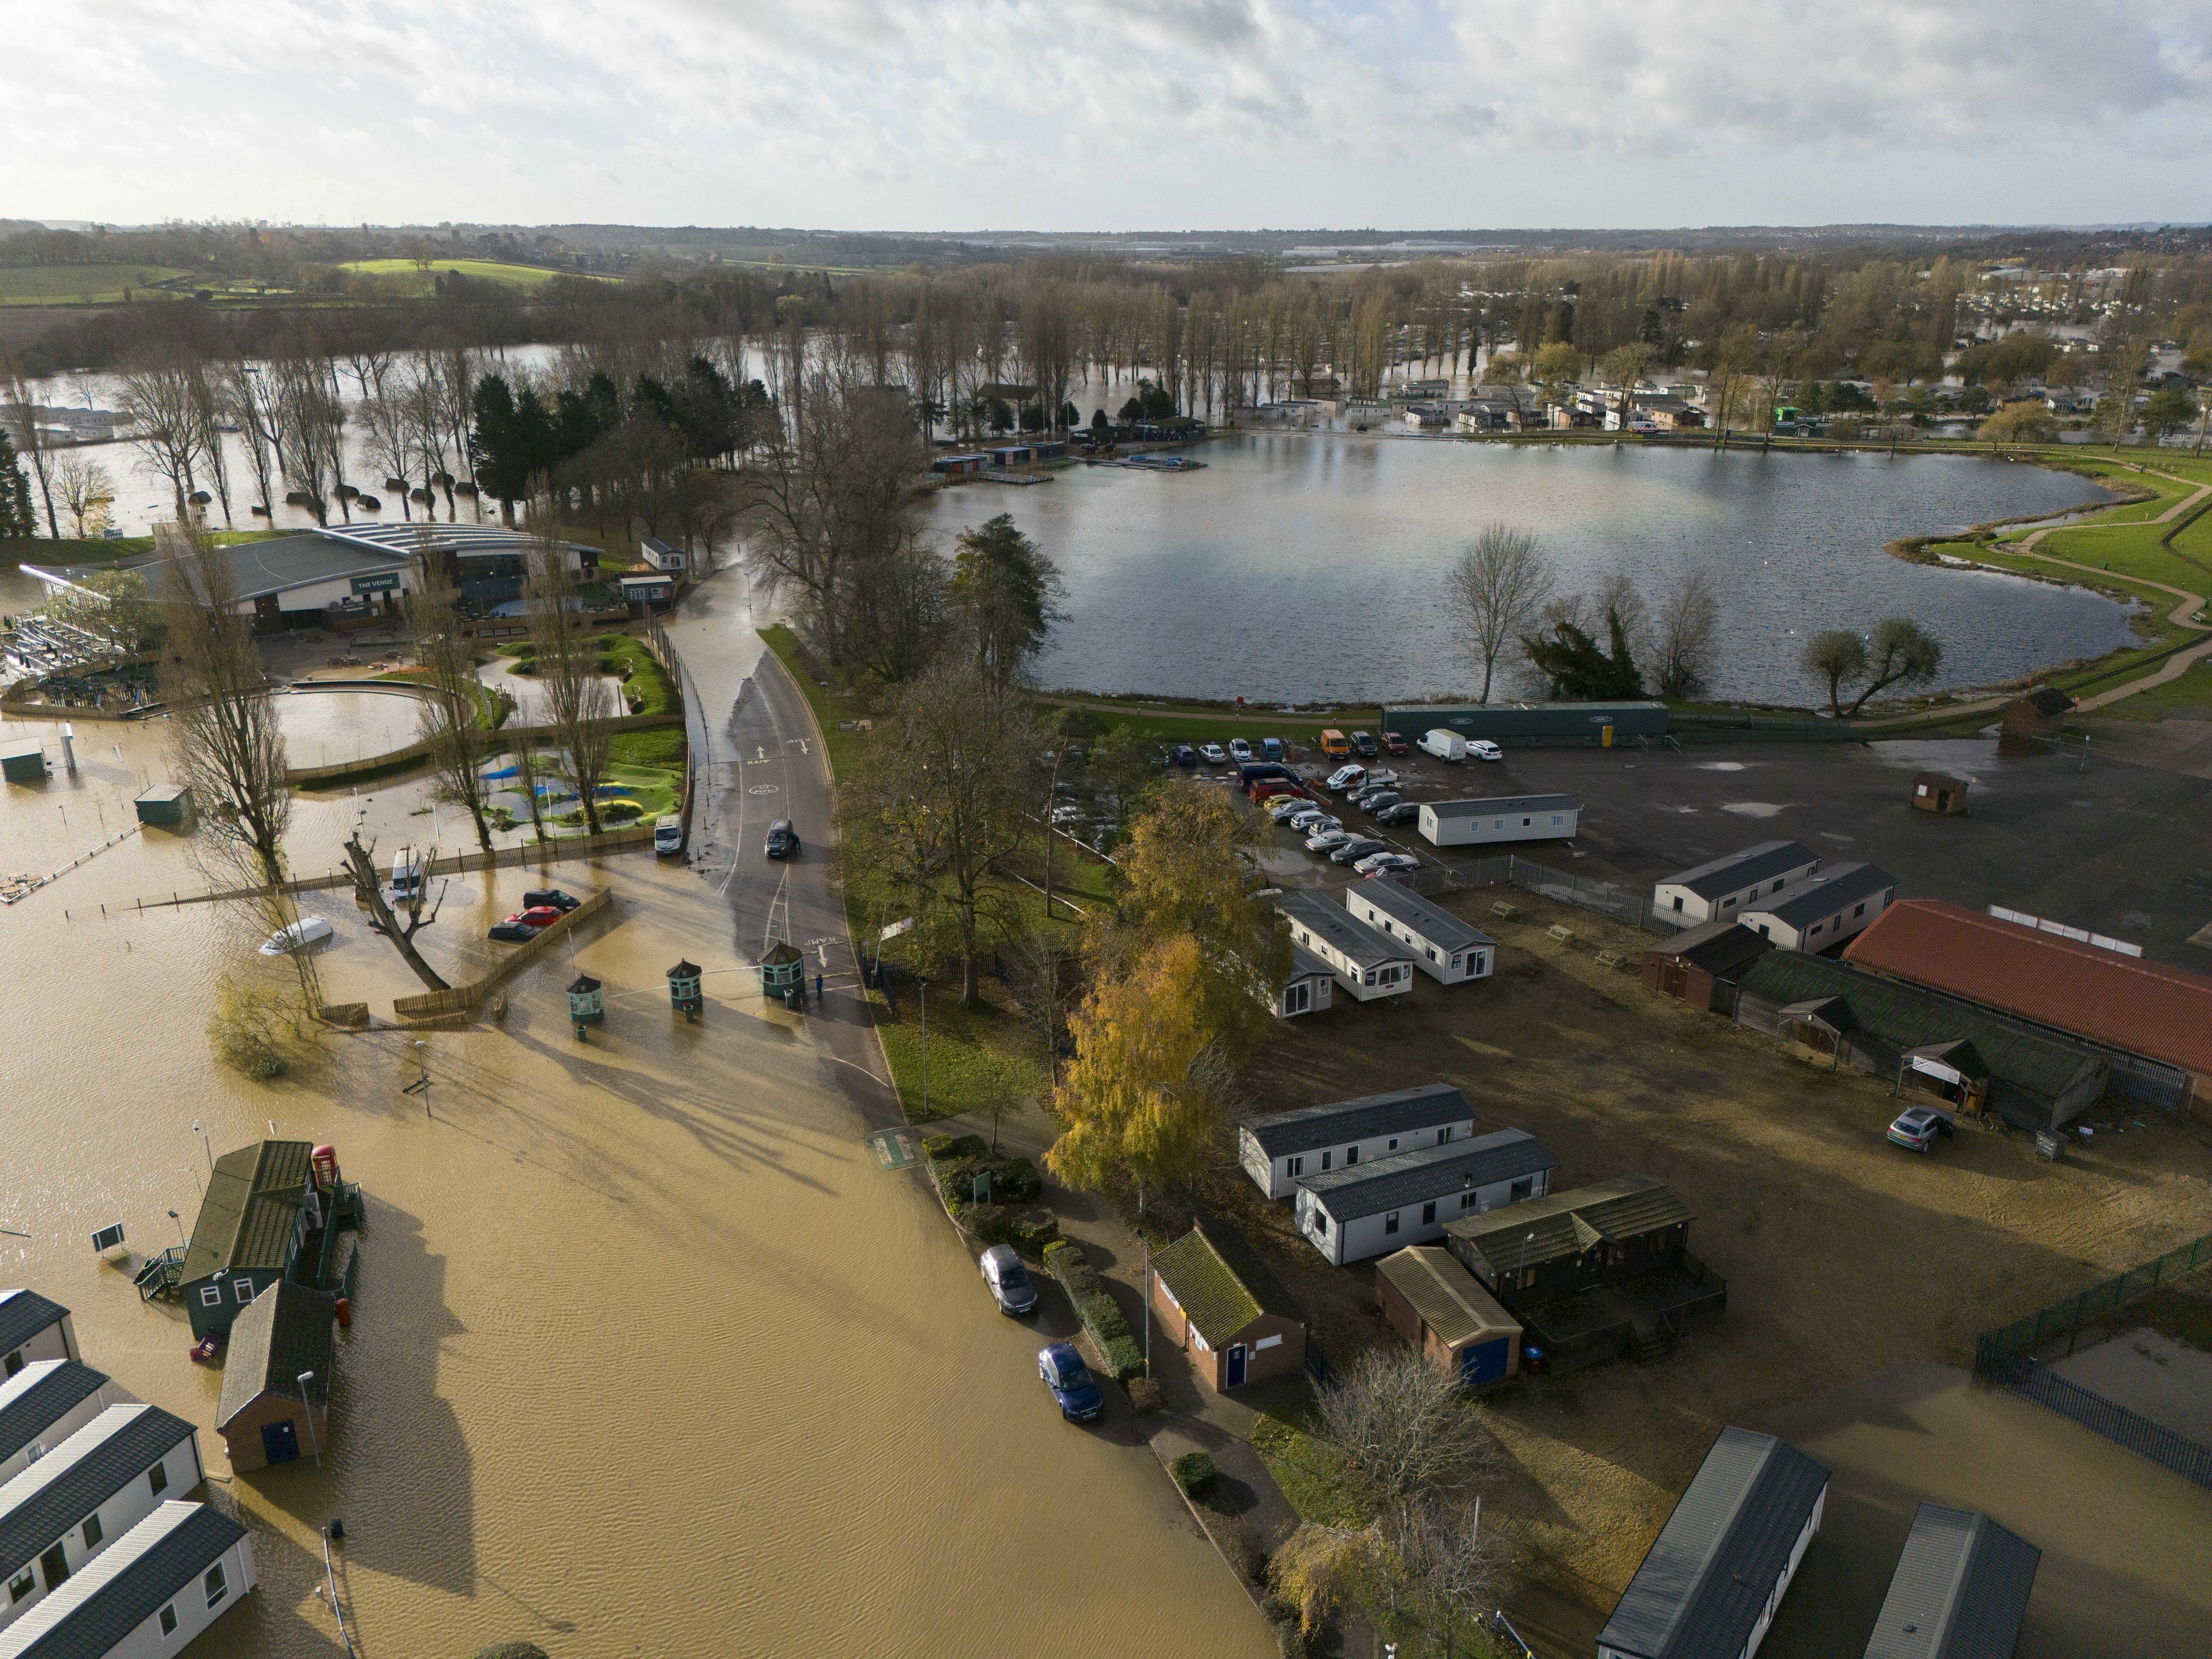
<point>1390,1222</point>
<point>1297,1166</point>
<point>217,1585</point>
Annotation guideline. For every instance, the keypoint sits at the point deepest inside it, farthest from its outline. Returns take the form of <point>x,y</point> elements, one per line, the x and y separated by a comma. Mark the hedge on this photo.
<point>1065,1261</point>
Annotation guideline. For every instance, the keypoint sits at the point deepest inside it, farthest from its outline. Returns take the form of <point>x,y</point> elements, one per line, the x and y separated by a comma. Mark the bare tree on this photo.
<point>390,440</point>
<point>1681,648</point>
<point>1405,1425</point>
<point>450,720</point>
<point>19,411</point>
<point>1498,586</point>
<point>1446,1577</point>
<point>525,779</point>
<point>578,700</point>
<point>247,396</point>
<point>86,492</point>
<point>398,925</point>
<point>166,422</point>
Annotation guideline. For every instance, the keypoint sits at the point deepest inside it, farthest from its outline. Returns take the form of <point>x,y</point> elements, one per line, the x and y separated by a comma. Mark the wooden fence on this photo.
<point>465,999</point>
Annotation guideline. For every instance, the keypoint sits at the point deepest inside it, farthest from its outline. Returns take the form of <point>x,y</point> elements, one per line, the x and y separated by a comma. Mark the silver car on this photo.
<point>1321,840</point>
<point>1012,1287</point>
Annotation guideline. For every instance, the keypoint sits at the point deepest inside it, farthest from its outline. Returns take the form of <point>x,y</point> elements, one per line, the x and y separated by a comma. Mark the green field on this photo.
<point>63,285</point>
<point>483,270</point>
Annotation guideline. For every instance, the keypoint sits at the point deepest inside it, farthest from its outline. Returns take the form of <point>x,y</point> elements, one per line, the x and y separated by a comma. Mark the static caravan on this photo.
<point>1351,1214</point>
<point>32,1328</point>
<point>1281,1149</point>
<point>1718,888</point>
<point>1960,1590</point>
<point>1838,902</point>
<point>62,1511</point>
<point>43,1404</point>
<point>1306,988</point>
<point>164,1582</point>
<point>1365,962</point>
<point>1444,947</point>
<point>1503,819</point>
<point>1714,1578</point>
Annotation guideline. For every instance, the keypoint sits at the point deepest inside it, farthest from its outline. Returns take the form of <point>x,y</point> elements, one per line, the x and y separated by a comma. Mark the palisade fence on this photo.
<point>2190,1459</point>
<point>1512,870</point>
<point>2024,1336</point>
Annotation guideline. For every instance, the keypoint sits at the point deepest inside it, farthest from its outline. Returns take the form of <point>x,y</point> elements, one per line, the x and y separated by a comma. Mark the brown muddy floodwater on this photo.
<point>650,1358</point>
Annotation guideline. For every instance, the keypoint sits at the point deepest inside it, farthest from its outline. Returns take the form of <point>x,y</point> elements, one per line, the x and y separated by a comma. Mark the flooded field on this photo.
<point>650,1358</point>
<point>324,727</point>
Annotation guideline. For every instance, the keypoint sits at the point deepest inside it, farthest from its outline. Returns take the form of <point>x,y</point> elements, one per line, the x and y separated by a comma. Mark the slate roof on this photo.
<point>2047,700</point>
<point>1754,866</point>
<point>259,568</point>
<point>2126,1002</point>
<point>1502,805</point>
<point>1566,1224</point>
<point>1392,1183</point>
<point>1906,1017</point>
<point>1836,888</point>
<point>1342,931</point>
<point>1424,1106</point>
<point>1438,926</point>
<point>1705,1583</point>
<point>253,1202</point>
<point>1219,1284</point>
<point>23,1315</point>
<point>1445,1294</point>
<point>1959,1592</point>
<point>285,1330</point>
<point>1720,947</point>
<point>40,1395</point>
<point>79,1475</point>
<point>125,1585</point>
<point>1305,964</point>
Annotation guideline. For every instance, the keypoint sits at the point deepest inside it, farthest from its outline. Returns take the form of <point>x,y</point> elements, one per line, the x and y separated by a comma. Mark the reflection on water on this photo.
<point>324,727</point>
<point>1304,568</point>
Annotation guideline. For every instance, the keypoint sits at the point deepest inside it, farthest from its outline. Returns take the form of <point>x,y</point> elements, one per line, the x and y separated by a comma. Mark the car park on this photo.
<point>782,840</point>
<point>1394,742</point>
<point>1345,778</point>
<point>1364,746</point>
<point>1283,808</point>
<point>554,896</point>
<point>1185,755</point>
<point>1074,1390</point>
<point>1012,1287</point>
<point>1239,751</point>
<point>1383,864</point>
<point>1358,847</point>
<point>1483,750</point>
<point>1212,754</point>
<point>1918,1128</point>
<point>1321,840</point>
<point>1306,820</point>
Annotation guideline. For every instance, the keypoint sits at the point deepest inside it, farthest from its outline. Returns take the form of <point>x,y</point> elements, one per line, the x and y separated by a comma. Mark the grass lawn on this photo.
<point>488,270</point>
<point>649,685</point>
<point>978,1057</point>
<point>663,747</point>
<point>90,284</point>
<point>2189,698</point>
<point>1311,1472</point>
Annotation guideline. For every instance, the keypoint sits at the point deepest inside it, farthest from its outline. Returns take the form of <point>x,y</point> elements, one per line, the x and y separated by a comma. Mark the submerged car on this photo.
<point>1918,1128</point>
<point>1074,1390</point>
<point>554,896</point>
<point>537,915</point>
<point>308,932</point>
<point>1012,1287</point>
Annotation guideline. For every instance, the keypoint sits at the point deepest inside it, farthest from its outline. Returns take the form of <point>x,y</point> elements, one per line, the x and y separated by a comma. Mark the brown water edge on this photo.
<point>650,1358</point>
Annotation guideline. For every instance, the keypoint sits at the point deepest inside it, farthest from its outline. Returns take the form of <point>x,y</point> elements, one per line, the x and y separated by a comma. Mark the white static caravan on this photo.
<point>63,1511</point>
<point>1840,901</point>
<point>164,1582</point>
<point>1444,947</point>
<point>1306,988</point>
<point>1363,962</point>
<point>32,1328</point>
<point>43,1404</point>
<point>1371,1209</point>
<point>1280,1149</point>
<point>1503,819</point>
<point>1718,888</point>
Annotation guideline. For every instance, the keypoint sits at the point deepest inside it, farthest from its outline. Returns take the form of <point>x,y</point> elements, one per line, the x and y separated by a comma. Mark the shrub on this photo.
<point>1194,1473</point>
<point>1124,1357</point>
<point>1028,1231</point>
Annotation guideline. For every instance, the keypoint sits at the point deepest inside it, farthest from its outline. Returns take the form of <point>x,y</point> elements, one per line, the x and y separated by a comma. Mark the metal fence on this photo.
<point>1512,870</point>
<point>2187,1458</point>
<point>1995,1350</point>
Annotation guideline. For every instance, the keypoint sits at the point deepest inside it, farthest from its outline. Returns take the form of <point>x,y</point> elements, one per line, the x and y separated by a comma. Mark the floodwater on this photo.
<point>650,1358</point>
<point>322,728</point>
<point>1307,566</point>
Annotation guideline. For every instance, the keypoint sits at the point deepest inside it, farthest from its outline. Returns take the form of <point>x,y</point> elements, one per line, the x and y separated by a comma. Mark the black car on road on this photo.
<point>782,840</point>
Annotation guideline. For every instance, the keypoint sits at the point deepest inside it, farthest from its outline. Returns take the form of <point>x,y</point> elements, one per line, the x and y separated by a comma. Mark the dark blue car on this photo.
<point>1072,1385</point>
<point>1185,755</point>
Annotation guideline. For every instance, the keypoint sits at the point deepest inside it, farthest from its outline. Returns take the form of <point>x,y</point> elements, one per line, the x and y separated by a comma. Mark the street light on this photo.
<point>179,1220</point>
<point>1521,1272</point>
<point>313,1444</point>
<point>205,1142</point>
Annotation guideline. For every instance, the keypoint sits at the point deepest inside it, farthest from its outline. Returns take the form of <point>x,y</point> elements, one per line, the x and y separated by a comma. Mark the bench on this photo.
<point>1502,908</point>
<point>1611,959</point>
<point>1564,935</point>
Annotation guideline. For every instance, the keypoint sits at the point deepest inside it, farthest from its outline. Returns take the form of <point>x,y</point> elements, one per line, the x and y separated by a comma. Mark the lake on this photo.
<point>1313,567</point>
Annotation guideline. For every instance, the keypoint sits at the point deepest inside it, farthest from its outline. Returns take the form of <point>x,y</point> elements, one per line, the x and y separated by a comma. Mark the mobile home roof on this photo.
<point>1750,867</point>
<point>40,1395</point>
<point>1823,895</point>
<point>1409,909</point>
<point>119,1590</point>
<point>1391,1183</point>
<point>1502,805</point>
<point>23,1315</point>
<point>74,1478</point>
<point>1959,1592</point>
<point>1341,930</point>
<point>1425,1106</point>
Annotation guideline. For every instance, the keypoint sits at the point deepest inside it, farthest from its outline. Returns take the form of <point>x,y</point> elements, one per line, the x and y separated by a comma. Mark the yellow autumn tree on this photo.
<point>1136,1101</point>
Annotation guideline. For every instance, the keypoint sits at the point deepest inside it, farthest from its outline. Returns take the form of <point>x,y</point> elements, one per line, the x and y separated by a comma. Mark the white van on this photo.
<point>1443,745</point>
<point>407,873</point>
<point>668,836</point>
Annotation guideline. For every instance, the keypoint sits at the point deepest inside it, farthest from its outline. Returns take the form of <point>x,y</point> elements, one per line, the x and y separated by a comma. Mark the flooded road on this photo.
<point>650,1356</point>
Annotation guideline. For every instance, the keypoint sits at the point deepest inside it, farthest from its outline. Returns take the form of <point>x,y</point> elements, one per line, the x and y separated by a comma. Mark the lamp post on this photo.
<point>313,1444</point>
<point>206,1142</point>
<point>181,1243</point>
<point>1521,1273</point>
<point>1147,1245</point>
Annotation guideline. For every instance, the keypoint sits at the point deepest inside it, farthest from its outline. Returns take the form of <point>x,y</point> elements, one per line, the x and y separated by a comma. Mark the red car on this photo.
<point>1394,742</point>
<point>537,915</point>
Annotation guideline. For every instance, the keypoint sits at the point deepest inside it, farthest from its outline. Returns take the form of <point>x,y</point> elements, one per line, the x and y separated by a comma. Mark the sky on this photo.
<point>1076,115</point>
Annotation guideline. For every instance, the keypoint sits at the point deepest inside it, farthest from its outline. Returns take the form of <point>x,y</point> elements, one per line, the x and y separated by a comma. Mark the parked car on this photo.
<point>1305,822</point>
<point>537,915</point>
<point>1185,755</point>
<point>560,901</point>
<point>1393,744</point>
<point>1283,808</point>
<point>1364,746</point>
<point>1444,745</point>
<point>1012,1287</point>
<point>1073,1389</point>
<point>1918,1128</point>
<point>1262,789</point>
<point>1321,840</point>
<point>512,933</point>
<point>1066,813</point>
<point>667,835</point>
<point>1315,825</point>
<point>1378,802</point>
<point>1383,864</point>
<point>1358,847</point>
<point>1406,812</point>
<point>782,840</point>
<point>1271,749</point>
<point>1483,750</point>
<point>1213,754</point>
<point>1346,777</point>
<point>1239,751</point>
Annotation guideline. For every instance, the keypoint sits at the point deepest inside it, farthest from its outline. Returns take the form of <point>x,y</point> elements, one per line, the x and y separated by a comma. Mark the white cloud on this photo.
<point>1090,113</point>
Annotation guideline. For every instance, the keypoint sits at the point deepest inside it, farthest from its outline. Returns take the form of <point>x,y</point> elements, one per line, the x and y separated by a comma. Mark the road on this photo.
<point>756,758</point>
